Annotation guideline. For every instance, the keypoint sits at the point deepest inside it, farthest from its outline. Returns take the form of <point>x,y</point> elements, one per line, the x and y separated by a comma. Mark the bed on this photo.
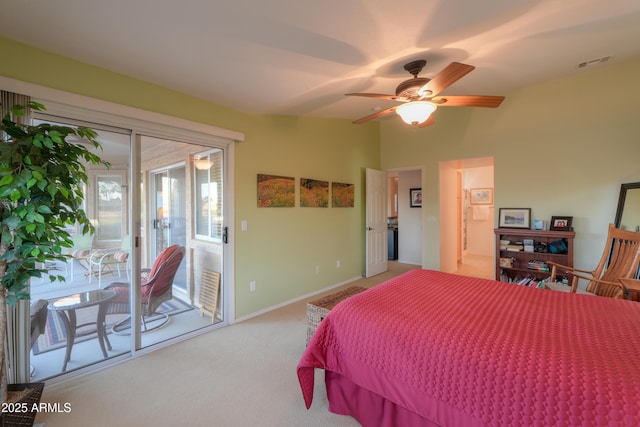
<point>431,348</point>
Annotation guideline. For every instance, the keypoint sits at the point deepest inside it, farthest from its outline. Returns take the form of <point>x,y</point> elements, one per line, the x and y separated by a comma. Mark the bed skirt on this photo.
<point>368,408</point>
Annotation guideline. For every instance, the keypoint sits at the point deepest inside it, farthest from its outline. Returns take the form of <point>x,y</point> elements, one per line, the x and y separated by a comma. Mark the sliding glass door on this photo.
<point>183,189</point>
<point>77,306</point>
<point>159,195</point>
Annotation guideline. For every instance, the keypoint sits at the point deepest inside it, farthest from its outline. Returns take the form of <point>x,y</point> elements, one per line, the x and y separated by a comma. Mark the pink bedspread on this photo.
<point>461,351</point>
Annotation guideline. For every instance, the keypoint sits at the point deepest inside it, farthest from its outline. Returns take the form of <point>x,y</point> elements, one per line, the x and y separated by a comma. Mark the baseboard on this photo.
<point>291,301</point>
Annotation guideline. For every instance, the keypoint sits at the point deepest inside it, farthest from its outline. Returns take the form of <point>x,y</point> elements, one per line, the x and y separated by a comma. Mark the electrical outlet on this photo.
<point>317,269</point>
<point>252,286</point>
<point>338,264</point>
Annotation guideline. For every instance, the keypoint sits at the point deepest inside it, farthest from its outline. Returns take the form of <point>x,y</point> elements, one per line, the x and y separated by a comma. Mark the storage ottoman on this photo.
<point>318,309</point>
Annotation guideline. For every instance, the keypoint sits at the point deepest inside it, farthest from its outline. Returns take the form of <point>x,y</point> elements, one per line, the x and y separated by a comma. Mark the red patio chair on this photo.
<point>156,288</point>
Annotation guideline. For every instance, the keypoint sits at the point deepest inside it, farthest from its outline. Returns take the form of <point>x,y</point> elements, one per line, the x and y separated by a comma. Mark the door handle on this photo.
<point>225,235</point>
<point>369,228</point>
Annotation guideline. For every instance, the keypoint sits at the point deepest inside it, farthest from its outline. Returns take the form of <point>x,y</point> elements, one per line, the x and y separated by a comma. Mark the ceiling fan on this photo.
<point>419,95</point>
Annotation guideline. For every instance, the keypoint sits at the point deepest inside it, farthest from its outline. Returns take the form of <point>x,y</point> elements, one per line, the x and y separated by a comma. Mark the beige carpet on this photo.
<point>239,376</point>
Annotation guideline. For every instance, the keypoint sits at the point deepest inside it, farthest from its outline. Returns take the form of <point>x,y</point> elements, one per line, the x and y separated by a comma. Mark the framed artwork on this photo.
<point>482,196</point>
<point>415,197</point>
<point>276,191</point>
<point>342,195</point>
<point>314,193</point>
<point>561,223</point>
<point>514,218</point>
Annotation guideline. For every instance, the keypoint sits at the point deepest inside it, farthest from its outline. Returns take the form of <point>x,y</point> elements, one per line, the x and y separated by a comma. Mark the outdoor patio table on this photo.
<point>66,308</point>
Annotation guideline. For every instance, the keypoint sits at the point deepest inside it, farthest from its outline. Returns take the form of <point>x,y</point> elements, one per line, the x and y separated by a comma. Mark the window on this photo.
<point>109,210</point>
<point>208,195</point>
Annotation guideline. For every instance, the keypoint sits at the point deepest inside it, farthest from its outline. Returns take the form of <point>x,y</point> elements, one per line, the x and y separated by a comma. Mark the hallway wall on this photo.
<point>409,219</point>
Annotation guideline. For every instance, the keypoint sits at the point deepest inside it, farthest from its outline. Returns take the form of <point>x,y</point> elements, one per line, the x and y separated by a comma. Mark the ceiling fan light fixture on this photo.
<point>416,112</point>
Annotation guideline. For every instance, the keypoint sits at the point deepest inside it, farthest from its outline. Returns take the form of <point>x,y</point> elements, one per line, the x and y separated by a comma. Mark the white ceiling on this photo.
<point>300,57</point>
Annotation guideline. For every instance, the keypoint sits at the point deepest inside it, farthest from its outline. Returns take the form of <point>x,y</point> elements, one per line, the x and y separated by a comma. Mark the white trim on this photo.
<point>291,301</point>
<point>65,103</point>
<point>228,249</point>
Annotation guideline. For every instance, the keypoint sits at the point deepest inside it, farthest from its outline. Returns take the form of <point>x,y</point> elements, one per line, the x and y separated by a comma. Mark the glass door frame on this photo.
<point>138,218</point>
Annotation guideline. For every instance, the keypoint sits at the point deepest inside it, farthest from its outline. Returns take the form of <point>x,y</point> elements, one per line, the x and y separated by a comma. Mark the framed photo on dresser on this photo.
<point>514,218</point>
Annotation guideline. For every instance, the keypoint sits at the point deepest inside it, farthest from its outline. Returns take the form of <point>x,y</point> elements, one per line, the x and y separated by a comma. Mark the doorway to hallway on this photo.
<point>466,227</point>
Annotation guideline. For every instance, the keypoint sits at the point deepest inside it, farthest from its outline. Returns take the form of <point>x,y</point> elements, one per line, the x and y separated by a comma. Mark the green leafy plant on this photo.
<point>42,174</point>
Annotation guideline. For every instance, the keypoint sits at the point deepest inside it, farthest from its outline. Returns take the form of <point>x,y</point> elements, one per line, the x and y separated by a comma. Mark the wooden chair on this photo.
<point>619,260</point>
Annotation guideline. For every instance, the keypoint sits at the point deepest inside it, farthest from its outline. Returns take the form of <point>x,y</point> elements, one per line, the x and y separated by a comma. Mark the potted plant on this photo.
<point>42,172</point>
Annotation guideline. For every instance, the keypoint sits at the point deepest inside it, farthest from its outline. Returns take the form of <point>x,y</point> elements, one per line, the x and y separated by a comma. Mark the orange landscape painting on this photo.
<point>276,191</point>
<point>342,195</point>
<point>314,193</point>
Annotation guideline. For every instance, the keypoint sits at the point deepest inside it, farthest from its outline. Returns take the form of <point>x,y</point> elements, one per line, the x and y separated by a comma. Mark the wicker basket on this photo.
<point>29,401</point>
<point>318,309</point>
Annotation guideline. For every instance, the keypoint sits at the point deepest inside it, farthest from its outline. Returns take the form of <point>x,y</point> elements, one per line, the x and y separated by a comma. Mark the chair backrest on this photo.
<point>163,271</point>
<point>38,319</point>
<point>125,245</point>
<point>619,260</point>
<point>82,245</point>
<point>82,241</point>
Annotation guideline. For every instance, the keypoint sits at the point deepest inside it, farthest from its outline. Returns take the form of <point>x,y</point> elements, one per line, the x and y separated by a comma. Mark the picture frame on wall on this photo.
<point>514,218</point>
<point>481,196</point>
<point>276,191</point>
<point>561,223</point>
<point>314,193</point>
<point>415,197</point>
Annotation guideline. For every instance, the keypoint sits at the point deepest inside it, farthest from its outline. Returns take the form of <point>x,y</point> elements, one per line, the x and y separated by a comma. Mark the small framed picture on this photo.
<point>481,196</point>
<point>415,197</point>
<point>514,218</point>
<point>561,223</point>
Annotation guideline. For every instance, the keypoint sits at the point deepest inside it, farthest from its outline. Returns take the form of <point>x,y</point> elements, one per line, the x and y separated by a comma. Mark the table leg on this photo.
<point>101,327</point>
<point>69,322</point>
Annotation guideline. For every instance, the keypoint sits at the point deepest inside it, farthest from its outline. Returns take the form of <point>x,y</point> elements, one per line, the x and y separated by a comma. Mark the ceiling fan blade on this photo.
<point>379,96</point>
<point>375,115</point>
<point>468,101</point>
<point>445,78</point>
<point>427,122</point>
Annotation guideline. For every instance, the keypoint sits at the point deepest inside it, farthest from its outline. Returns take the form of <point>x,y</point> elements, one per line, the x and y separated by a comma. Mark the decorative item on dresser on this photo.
<point>514,218</point>
<point>561,223</point>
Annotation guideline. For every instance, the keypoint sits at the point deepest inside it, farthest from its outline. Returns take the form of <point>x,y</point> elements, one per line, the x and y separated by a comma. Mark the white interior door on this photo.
<point>376,222</point>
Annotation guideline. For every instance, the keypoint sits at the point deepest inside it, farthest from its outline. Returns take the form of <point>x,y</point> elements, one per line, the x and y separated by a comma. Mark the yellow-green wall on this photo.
<point>282,246</point>
<point>560,148</point>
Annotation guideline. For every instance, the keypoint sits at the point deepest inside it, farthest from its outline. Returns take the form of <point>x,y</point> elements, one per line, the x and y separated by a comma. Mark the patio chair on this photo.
<point>38,311</point>
<point>155,289</point>
<point>102,261</point>
<point>80,251</point>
